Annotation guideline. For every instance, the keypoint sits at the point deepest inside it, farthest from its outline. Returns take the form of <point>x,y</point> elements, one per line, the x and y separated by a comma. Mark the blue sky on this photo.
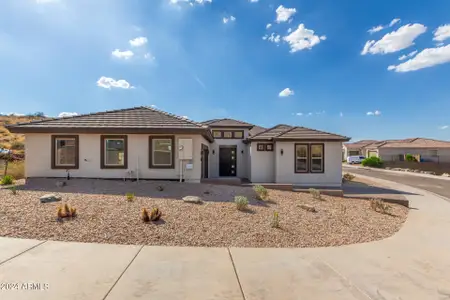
<point>321,64</point>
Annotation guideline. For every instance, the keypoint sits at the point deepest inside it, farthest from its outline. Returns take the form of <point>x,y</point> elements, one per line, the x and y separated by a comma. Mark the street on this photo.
<point>438,186</point>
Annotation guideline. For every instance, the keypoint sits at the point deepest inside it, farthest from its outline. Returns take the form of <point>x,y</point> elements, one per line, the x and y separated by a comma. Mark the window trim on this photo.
<point>233,134</point>
<point>322,158</point>
<point>238,138</point>
<point>219,131</point>
<point>258,145</point>
<point>307,158</point>
<point>150,152</point>
<point>77,152</point>
<point>103,149</point>
<point>266,148</point>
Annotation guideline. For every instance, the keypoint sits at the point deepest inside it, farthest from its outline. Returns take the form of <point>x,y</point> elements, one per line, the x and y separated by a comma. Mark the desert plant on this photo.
<point>348,177</point>
<point>372,161</point>
<point>380,206</point>
<point>241,202</point>
<point>315,193</point>
<point>261,192</point>
<point>13,190</point>
<point>7,180</point>
<point>16,169</point>
<point>130,196</point>
<point>275,220</point>
<point>160,188</point>
<point>410,157</point>
<point>17,145</point>
<point>144,215</point>
<point>65,211</point>
<point>155,215</point>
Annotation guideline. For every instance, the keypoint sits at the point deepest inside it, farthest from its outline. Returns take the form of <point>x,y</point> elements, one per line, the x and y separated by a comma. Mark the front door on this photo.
<point>205,159</point>
<point>227,161</point>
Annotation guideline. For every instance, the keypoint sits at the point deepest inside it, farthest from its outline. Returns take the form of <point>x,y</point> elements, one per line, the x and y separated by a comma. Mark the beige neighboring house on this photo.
<point>430,150</point>
<point>355,149</point>
<point>146,143</point>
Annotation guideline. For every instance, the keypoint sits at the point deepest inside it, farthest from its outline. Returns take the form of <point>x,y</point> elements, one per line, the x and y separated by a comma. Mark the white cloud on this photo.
<point>409,55</point>
<point>374,113</point>
<point>230,19</point>
<point>395,41</point>
<point>108,83</point>
<point>253,1</point>
<point>46,1</point>
<point>443,127</point>
<point>127,54</point>
<point>190,2</point>
<point>286,92</point>
<point>341,114</point>
<point>393,22</point>
<point>299,114</point>
<point>67,114</point>
<point>375,29</point>
<point>284,14</point>
<point>139,41</point>
<point>302,38</point>
<point>274,38</point>
<point>149,56</point>
<point>426,58</point>
<point>310,114</point>
<point>268,26</point>
<point>442,33</point>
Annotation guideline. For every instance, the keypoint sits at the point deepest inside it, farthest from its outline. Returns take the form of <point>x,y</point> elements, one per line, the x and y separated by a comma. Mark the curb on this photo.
<point>397,172</point>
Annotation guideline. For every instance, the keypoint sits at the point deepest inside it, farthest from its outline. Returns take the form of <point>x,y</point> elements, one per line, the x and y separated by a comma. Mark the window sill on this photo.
<point>113,167</point>
<point>65,168</point>
<point>162,167</point>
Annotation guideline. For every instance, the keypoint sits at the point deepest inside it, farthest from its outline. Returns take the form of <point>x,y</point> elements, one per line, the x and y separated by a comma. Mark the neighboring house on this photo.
<point>355,149</point>
<point>147,143</point>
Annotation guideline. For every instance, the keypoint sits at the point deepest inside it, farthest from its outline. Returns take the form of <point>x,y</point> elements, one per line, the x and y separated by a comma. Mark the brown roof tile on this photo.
<point>417,143</point>
<point>227,123</point>
<point>285,132</point>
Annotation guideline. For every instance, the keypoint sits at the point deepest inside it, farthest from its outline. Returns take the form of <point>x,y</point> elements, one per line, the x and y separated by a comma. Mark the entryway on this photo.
<point>227,161</point>
<point>204,160</point>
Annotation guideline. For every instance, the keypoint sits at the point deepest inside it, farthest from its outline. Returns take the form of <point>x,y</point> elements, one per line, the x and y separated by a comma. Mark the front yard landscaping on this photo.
<point>111,212</point>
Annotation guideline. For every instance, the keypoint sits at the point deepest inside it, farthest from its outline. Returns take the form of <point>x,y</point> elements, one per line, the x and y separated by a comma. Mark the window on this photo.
<point>301,158</point>
<point>433,153</point>
<point>227,134</point>
<point>217,134</point>
<point>114,152</point>
<point>269,147</point>
<point>238,134</point>
<point>260,147</point>
<point>317,158</point>
<point>65,152</point>
<point>162,153</point>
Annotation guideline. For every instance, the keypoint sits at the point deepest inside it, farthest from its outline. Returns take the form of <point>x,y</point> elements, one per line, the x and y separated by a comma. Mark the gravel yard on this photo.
<point>105,216</point>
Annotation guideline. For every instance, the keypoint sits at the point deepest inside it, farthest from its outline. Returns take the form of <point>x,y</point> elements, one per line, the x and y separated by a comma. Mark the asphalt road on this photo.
<point>438,186</point>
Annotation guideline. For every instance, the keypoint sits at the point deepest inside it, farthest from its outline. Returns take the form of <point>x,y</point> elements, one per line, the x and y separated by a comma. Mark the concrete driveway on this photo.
<point>413,264</point>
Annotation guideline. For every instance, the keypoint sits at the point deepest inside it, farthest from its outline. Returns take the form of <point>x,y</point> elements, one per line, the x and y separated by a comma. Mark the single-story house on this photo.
<point>355,149</point>
<point>429,150</point>
<point>146,143</point>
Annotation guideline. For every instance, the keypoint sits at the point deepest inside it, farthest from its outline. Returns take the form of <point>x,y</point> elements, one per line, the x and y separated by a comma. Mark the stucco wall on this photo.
<point>391,154</point>
<point>38,158</point>
<point>285,166</point>
<point>262,165</point>
<point>242,158</point>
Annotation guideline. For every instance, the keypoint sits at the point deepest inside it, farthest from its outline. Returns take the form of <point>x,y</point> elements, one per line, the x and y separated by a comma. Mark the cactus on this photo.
<point>144,215</point>
<point>155,215</point>
<point>276,220</point>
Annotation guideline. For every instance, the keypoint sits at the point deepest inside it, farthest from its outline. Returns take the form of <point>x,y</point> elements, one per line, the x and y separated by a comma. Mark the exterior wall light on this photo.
<point>281,151</point>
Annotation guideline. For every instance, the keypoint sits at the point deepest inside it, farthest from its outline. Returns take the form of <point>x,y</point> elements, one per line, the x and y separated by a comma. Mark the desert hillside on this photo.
<point>10,140</point>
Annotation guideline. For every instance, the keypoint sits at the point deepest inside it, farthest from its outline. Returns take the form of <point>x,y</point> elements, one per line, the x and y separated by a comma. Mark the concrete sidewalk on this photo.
<point>412,264</point>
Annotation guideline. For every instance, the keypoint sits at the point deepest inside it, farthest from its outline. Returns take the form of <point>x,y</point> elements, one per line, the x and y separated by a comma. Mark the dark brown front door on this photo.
<point>227,161</point>
<point>205,159</point>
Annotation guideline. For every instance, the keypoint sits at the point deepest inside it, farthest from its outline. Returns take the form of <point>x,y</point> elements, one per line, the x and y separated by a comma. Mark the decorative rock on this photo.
<point>429,172</point>
<point>446,175</point>
<point>61,183</point>
<point>308,208</point>
<point>50,198</point>
<point>192,199</point>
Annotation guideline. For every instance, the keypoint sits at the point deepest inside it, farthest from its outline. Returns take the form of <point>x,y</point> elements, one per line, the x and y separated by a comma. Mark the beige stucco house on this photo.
<point>146,143</point>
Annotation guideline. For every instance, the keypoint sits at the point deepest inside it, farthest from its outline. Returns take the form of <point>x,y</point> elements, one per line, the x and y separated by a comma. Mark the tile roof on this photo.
<point>286,132</point>
<point>136,117</point>
<point>417,143</point>
<point>359,144</point>
<point>227,123</point>
<point>256,129</point>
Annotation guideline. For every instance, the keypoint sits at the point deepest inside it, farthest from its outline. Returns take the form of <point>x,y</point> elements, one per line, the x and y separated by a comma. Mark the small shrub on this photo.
<point>130,196</point>
<point>144,215</point>
<point>380,206</point>
<point>65,211</point>
<point>315,193</point>
<point>7,180</point>
<point>275,220</point>
<point>241,202</point>
<point>373,161</point>
<point>261,192</point>
<point>13,190</point>
<point>160,188</point>
<point>17,145</point>
<point>348,177</point>
<point>410,157</point>
<point>155,215</point>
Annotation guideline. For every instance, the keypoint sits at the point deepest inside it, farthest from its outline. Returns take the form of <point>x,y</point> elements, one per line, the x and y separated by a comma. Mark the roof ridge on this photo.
<point>321,131</point>
<point>175,116</point>
<point>286,131</point>
<point>268,129</point>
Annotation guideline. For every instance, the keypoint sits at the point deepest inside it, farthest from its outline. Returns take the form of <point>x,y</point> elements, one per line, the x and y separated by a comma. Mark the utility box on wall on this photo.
<point>185,149</point>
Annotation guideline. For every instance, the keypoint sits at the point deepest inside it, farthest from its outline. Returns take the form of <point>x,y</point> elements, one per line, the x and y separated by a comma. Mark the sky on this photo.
<point>365,69</point>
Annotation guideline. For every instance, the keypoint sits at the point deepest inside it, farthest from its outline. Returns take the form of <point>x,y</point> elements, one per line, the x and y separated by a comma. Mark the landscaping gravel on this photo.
<point>105,216</point>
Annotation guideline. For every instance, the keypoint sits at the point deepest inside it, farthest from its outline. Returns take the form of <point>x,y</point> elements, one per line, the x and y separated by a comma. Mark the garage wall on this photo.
<point>38,158</point>
<point>262,165</point>
<point>285,166</point>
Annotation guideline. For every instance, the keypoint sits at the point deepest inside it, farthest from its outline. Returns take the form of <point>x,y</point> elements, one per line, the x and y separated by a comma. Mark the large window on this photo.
<point>317,158</point>
<point>162,153</point>
<point>114,152</point>
<point>301,158</point>
<point>309,158</point>
<point>65,152</point>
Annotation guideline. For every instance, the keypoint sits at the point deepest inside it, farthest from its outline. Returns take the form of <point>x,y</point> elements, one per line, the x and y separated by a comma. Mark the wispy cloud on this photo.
<point>443,127</point>
<point>108,83</point>
<point>127,54</point>
<point>341,114</point>
<point>228,19</point>
<point>374,113</point>
<point>199,81</point>
<point>426,58</point>
<point>67,114</point>
<point>138,42</point>
<point>286,93</point>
